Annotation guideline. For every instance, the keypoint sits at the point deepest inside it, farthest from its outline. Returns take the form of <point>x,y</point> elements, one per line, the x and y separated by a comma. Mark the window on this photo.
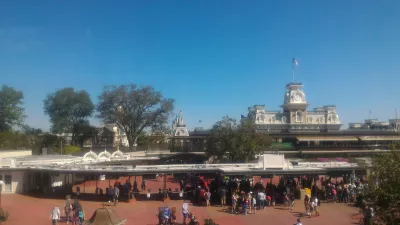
<point>299,117</point>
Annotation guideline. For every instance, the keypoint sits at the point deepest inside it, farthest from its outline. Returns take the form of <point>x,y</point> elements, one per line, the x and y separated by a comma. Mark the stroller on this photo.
<point>166,216</point>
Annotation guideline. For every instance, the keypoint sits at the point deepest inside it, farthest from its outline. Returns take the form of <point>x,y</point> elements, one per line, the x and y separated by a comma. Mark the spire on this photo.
<point>180,119</point>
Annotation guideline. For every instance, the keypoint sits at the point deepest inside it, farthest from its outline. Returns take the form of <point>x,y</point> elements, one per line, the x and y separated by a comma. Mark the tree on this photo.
<point>385,174</point>
<point>11,111</point>
<point>134,109</point>
<point>70,149</point>
<point>68,110</point>
<point>235,142</point>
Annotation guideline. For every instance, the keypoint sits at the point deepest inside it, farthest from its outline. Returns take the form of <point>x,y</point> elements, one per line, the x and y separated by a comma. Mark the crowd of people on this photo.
<point>242,195</point>
<point>73,212</point>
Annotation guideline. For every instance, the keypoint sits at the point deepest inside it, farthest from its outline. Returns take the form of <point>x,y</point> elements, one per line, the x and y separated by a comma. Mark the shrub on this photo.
<point>70,149</point>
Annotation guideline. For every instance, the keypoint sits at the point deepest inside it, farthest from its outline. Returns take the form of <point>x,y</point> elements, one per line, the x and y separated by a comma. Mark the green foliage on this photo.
<point>14,140</point>
<point>134,109</point>
<point>70,149</point>
<point>11,112</point>
<point>29,138</point>
<point>228,140</point>
<point>209,222</point>
<point>394,146</point>
<point>68,110</point>
<point>386,194</point>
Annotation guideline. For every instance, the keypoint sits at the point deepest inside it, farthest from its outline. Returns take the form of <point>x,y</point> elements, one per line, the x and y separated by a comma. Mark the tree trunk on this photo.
<point>131,141</point>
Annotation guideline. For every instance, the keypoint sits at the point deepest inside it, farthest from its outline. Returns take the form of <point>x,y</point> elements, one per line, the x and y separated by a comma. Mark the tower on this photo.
<point>295,104</point>
<point>179,128</point>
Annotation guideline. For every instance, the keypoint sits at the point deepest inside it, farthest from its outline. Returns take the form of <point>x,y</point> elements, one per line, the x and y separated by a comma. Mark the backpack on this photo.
<point>80,214</point>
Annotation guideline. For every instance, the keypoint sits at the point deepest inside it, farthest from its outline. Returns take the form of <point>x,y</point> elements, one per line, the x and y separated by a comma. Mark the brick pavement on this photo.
<point>25,210</point>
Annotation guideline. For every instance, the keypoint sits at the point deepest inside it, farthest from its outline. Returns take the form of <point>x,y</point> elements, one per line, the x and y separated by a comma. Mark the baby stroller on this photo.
<point>165,216</point>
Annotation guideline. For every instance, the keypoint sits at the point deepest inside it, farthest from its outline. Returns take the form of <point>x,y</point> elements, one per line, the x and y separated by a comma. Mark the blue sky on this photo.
<point>214,58</point>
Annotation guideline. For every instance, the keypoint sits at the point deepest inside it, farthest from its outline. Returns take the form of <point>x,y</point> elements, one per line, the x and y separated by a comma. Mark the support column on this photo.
<point>165,185</point>
<point>41,181</point>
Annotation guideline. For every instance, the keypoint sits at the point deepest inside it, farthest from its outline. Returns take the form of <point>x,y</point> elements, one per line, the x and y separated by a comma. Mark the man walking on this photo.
<point>185,211</point>
<point>116,195</point>
<point>222,193</point>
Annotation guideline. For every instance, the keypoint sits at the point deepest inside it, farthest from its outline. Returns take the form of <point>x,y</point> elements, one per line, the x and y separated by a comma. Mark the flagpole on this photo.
<point>293,69</point>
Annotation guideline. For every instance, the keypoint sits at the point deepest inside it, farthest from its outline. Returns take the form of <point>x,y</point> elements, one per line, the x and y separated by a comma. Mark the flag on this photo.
<point>295,62</point>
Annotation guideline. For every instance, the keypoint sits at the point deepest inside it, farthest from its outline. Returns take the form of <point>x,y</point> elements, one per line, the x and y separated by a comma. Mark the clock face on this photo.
<point>297,97</point>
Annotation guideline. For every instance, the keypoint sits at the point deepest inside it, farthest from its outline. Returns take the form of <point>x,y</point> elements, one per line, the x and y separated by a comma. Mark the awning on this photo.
<point>380,138</point>
<point>331,138</point>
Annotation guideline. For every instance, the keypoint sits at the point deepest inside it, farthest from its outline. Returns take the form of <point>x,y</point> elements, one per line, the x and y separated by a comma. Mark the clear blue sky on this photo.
<point>215,58</point>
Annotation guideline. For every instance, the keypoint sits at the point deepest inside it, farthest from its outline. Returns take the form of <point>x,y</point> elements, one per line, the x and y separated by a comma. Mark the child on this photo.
<point>234,202</point>
<point>254,205</point>
<point>81,216</point>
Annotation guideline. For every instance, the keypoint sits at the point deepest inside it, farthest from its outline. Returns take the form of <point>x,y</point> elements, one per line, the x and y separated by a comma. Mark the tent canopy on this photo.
<point>104,216</point>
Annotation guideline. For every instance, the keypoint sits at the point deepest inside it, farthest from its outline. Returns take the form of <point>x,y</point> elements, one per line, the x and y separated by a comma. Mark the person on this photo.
<point>81,216</point>
<point>315,206</point>
<point>234,202</point>
<point>298,222</point>
<point>67,209</point>
<point>369,215</point>
<point>55,215</point>
<point>167,214</point>
<point>78,190</point>
<point>75,216</point>
<point>222,193</point>
<point>116,195</point>
<point>261,200</point>
<point>185,211</point>
<point>208,197</point>
<point>307,204</point>
<point>143,185</point>
<point>292,199</point>
<point>253,204</point>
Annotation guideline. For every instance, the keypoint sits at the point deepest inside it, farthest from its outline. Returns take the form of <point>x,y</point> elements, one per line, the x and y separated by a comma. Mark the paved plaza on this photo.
<point>25,210</point>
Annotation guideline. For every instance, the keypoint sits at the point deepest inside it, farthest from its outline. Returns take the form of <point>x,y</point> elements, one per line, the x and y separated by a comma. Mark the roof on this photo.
<point>380,138</point>
<point>327,138</point>
<point>104,216</point>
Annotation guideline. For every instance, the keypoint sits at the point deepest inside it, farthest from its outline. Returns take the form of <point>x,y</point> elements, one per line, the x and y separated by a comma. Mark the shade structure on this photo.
<point>330,138</point>
<point>104,216</point>
<point>380,138</point>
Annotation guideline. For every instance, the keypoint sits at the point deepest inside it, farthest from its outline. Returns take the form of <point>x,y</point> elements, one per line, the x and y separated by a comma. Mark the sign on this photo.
<point>282,145</point>
<point>102,177</point>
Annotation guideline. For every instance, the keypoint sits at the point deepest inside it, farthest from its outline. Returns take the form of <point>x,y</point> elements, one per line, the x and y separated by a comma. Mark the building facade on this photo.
<point>295,116</point>
<point>297,127</point>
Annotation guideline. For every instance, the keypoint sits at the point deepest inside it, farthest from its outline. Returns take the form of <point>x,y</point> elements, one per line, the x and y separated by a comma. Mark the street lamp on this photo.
<point>1,190</point>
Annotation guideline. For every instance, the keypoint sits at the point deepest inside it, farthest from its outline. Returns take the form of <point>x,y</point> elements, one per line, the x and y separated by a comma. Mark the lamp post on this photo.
<point>1,190</point>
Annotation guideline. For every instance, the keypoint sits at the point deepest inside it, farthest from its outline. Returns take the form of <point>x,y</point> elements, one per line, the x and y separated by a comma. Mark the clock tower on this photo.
<point>295,104</point>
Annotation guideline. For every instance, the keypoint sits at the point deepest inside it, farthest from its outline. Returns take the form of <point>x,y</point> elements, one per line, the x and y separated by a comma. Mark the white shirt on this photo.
<point>55,213</point>
<point>261,196</point>
<point>185,208</point>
